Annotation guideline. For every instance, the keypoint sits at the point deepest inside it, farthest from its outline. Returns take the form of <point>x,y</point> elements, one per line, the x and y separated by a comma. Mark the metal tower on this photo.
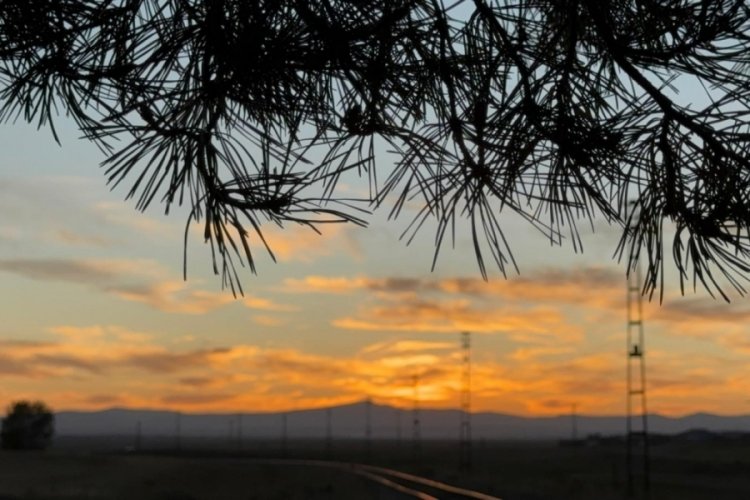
<point>464,442</point>
<point>637,414</point>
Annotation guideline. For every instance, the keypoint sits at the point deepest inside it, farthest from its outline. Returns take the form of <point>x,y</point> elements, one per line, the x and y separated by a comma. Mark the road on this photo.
<point>399,484</point>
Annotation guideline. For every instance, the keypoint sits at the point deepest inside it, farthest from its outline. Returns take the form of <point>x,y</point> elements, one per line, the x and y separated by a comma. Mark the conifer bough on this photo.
<point>561,111</point>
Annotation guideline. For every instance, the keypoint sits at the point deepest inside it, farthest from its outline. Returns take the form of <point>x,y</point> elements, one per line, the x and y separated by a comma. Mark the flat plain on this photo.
<point>522,470</point>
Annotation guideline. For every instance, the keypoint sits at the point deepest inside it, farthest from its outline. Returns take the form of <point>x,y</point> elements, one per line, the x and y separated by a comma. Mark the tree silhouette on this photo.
<point>27,426</point>
<point>559,111</point>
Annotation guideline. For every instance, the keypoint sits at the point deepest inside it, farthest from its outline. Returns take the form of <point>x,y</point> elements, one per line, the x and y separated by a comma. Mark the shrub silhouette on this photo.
<point>27,426</point>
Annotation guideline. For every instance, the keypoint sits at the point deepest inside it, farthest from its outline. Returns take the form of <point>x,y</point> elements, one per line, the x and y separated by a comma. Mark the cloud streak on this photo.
<point>142,281</point>
<point>141,372</point>
<point>451,316</point>
<point>581,286</point>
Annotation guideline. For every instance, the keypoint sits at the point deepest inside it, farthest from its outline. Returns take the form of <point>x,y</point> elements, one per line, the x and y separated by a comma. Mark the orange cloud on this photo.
<point>173,297</point>
<point>297,242</point>
<point>324,284</point>
<point>400,346</point>
<point>525,354</point>
<point>112,365</point>
<point>736,341</point>
<point>300,243</point>
<point>69,237</point>
<point>264,304</point>
<point>118,214</point>
<point>582,286</point>
<point>450,316</point>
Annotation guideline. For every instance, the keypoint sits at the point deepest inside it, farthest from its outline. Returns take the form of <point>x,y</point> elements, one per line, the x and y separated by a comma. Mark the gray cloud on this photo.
<point>688,309</point>
<point>198,381</point>
<point>77,239</point>
<point>103,399</point>
<point>66,361</point>
<point>25,344</point>
<point>65,270</point>
<point>167,362</point>
<point>283,361</point>
<point>131,280</point>
<point>12,366</point>
<point>196,399</point>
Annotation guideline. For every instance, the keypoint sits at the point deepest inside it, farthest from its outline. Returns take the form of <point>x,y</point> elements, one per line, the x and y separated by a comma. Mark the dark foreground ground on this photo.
<point>104,470</point>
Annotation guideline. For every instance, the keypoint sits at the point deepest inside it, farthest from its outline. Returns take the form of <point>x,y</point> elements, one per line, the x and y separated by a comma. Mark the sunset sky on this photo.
<point>96,313</point>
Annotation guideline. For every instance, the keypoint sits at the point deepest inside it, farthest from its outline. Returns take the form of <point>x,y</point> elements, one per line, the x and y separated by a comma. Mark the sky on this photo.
<point>96,313</point>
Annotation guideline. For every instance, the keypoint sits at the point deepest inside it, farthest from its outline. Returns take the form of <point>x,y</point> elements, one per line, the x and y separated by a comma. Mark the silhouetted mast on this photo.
<point>637,414</point>
<point>465,424</point>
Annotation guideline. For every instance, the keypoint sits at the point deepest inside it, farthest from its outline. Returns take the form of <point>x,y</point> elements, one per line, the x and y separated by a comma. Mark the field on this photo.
<point>89,469</point>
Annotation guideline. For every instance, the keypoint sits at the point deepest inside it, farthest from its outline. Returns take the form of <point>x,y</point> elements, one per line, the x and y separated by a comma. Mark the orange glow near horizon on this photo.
<point>120,368</point>
<point>97,316</point>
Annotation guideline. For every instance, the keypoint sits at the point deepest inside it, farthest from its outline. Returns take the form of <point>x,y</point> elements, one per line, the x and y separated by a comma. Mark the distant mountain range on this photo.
<point>349,421</point>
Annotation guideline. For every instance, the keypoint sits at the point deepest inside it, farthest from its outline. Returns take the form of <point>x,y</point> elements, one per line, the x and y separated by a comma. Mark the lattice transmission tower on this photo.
<point>637,413</point>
